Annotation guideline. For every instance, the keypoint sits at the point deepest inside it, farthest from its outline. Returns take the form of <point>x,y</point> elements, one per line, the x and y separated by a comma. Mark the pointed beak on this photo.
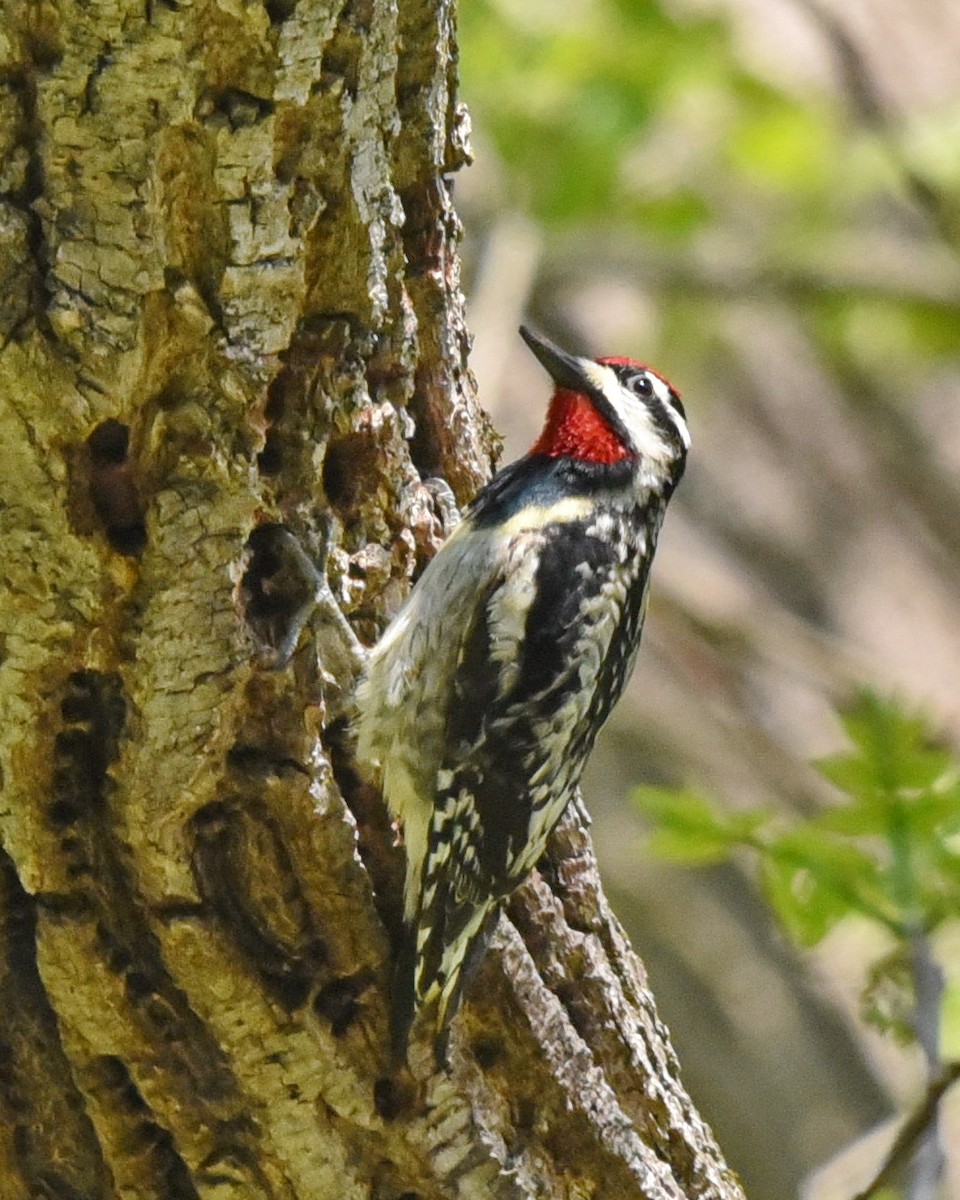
<point>566,370</point>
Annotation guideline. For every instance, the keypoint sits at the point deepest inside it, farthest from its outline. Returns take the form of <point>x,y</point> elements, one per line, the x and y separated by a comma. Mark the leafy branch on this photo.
<point>888,851</point>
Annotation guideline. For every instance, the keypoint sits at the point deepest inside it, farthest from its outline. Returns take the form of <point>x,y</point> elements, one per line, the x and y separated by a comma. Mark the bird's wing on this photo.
<point>538,659</point>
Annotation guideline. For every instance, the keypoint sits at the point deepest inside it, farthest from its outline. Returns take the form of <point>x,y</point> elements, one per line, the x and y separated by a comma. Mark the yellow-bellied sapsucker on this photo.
<point>482,700</point>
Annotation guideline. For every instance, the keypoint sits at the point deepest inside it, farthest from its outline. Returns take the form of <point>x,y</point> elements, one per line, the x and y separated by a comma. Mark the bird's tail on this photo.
<point>440,953</point>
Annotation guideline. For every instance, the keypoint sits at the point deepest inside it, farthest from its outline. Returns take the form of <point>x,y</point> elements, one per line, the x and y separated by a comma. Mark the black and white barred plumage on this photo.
<point>481,702</point>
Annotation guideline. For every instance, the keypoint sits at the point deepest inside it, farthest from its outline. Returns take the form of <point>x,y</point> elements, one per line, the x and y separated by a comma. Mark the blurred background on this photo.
<point>761,198</point>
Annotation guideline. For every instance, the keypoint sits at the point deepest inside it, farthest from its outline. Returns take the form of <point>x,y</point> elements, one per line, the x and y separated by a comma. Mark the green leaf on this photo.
<point>689,828</point>
<point>889,998</point>
<point>926,814</point>
<point>813,880</point>
<point>892,752</point>
<point>903,794</point>
<point>805,909</point>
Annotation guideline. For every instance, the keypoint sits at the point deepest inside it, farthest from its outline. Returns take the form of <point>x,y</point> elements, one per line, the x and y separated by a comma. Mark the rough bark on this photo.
<point>230,302</point>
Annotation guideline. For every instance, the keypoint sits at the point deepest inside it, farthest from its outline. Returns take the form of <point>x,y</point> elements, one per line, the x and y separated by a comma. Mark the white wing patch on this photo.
<point>537,516</point>
<point>508,610</point>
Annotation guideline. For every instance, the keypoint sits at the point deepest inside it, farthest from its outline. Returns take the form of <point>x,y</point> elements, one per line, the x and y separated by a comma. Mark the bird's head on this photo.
<point>611,410</point>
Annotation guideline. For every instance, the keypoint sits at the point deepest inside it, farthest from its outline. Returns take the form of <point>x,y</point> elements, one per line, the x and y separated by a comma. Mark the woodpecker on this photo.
<point>480,704</point>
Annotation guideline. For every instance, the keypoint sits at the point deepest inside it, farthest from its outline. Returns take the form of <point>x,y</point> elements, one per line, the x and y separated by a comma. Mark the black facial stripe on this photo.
<point>627,374</point>
<point>610,415</point>
<point>663,421</point>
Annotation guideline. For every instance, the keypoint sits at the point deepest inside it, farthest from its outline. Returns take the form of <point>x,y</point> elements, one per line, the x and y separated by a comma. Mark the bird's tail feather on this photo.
<point>437,960</point>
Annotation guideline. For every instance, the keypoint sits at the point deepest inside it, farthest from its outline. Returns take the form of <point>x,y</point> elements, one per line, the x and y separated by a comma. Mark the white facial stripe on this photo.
<point>600,376</point>
<point>662,389</point>
<point>631,410</point>
<point>634,413</point>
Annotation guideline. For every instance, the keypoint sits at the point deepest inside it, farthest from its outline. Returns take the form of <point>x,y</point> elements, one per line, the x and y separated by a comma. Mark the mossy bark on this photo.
<point>229,301</point>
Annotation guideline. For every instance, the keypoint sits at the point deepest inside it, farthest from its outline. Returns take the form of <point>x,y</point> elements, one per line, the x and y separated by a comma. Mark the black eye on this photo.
<point>641,385</point>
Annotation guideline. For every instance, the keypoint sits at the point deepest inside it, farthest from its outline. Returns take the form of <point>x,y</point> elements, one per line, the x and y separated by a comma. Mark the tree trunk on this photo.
<point>229,305</point>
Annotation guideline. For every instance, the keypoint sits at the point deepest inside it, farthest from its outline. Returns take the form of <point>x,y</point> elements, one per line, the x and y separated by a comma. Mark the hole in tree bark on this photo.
<point>283,440</point>
<point>270,458</point>
<point>63,813</point>
<point>391,1098</point>
<point>280,10</point>
<point>138,985</point>
<point>348,466</point>
<point>279,587</point>
<point>339,1001</point>
<point>242,108</point>
<point>488,1051</point>
<point>113,488</point>
<point>341,61</point>
<point>94,711</point>
<point>263,762</point>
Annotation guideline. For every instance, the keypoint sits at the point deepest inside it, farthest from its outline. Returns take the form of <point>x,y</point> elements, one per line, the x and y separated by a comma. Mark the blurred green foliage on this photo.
<point>629,116</point>
<point>889,850</point>
<point>615,111</point>
<point>650,152</point>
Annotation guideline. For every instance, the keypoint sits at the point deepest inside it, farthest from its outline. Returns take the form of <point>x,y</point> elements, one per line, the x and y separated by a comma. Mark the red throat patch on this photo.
<point>575,429</point>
